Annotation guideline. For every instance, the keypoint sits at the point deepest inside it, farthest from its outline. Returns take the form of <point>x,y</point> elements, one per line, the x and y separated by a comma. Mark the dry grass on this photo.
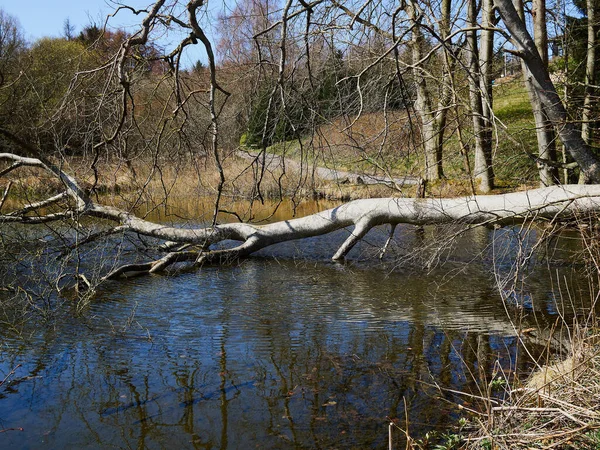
<point>147,185</point>
<point>558,406</point>
<point>360,144</point>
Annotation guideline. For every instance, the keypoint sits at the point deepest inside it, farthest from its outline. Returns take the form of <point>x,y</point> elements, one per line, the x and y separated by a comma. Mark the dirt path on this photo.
<point>273,161</point>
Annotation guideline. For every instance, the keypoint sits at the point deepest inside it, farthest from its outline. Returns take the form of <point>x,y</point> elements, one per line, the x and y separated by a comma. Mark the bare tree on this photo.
<point>548,97</point>
<point>483,170</point>
<point>148,106</point>
<point>424,103</point>
<point>12,43</point>
<point>544,131</point>
<point>590,74</point>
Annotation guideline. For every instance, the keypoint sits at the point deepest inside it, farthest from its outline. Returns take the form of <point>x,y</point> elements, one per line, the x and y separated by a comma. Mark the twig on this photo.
<point>12,372</point>
<point>8,186</point>
<point>387,243</point>
<point>39,205</point>
<point>539,410</point>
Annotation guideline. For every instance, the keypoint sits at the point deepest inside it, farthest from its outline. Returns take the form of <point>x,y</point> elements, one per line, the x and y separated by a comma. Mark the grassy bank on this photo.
<point>373,143</point>
<point>378,143</point>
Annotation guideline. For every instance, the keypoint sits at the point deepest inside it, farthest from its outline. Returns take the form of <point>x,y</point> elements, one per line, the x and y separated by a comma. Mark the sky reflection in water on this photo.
<point>280,351</point>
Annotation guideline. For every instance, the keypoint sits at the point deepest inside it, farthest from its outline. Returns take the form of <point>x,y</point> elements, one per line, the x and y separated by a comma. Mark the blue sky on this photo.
<point>39,18</point>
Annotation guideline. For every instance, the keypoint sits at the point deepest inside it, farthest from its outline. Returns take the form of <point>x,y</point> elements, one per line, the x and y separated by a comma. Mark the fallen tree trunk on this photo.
<point>273,161</point>
<point>358,216</point>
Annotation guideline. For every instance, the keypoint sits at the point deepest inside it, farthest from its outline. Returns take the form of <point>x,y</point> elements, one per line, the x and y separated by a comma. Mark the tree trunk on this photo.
<point>446,91</point>
<point>486,56</point>
<point>543,86</point>
<point>362,215</point>
<point>483,172</point>
<point>544,131</point>
<point>590,74</point>
<point>423,104</point>
<point>194,244</point>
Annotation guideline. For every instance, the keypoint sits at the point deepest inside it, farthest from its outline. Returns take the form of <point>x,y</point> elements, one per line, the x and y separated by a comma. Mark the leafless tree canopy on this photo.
<point>102,129</point>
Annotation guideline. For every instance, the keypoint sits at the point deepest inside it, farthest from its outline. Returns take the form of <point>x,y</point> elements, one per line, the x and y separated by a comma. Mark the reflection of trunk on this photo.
<point>224,403</point>
<point>433,160</point>
<point>544,131</point>
<point>540,78</point>
<point>483,155</point>
<point>590,69</point>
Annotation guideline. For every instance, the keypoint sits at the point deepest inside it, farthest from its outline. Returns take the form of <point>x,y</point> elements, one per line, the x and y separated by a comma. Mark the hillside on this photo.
<point>379,143</point>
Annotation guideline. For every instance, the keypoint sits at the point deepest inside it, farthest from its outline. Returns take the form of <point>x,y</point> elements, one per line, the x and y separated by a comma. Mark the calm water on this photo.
<point>284,350</point>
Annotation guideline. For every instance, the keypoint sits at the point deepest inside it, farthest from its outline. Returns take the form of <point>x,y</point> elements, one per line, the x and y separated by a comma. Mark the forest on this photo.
<point>378,90</point>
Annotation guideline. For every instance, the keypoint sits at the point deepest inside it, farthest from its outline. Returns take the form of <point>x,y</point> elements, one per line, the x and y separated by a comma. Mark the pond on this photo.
<point>283,350</point>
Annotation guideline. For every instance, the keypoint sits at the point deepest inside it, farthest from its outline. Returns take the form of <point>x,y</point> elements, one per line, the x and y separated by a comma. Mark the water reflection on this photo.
<point>276,352</point>
<point>200,209</point>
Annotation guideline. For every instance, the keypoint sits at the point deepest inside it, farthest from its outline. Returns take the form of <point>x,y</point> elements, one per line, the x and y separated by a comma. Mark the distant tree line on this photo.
<point>280,72</point>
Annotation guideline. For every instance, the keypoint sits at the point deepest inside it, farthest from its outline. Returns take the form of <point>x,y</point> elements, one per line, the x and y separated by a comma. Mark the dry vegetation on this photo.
<point>557,407</point>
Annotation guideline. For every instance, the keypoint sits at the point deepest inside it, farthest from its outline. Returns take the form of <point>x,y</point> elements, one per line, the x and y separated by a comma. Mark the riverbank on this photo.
<point>558,406</point>
<point>555,406</point>
<point>187,176</point>
<point>152,182</point>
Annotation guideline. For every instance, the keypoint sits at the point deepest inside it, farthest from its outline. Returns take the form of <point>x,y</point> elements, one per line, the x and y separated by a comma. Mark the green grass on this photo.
<point>511,102</point>
<point>514,135</point>
<point>513,111</point>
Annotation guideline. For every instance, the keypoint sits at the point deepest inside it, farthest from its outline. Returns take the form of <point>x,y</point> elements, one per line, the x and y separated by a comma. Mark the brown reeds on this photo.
<point>557,407</point>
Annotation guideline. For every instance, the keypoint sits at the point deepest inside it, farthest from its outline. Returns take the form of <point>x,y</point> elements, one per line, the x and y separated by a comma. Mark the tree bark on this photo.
<point>483,171</point>
<point>544,131</point>
<point>543,86</point>
<point>359,216</point>
<point>590,74</point>
<point>433,160</point>
<point>445,99</point>
<point>486,56</point>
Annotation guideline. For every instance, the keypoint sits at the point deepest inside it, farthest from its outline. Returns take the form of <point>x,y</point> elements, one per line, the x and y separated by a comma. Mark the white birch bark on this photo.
<point>358,217</point>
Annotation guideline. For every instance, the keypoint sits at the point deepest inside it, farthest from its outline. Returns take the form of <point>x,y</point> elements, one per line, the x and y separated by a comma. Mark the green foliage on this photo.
<point>594,439</point>
<point>450,441</point>
<point>486,444</point>
<point>43,104</point>
<point>256,120</point>
<point>329,96</point>
<point>573,60</point>
<point>283,124</point>
<point>51,65</point>
<point>331,89</point>
<point>244,140</point>
<point>498,383</point>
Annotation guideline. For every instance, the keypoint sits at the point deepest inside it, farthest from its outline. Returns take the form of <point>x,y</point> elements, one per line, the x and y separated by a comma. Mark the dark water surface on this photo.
<point>285,350</point>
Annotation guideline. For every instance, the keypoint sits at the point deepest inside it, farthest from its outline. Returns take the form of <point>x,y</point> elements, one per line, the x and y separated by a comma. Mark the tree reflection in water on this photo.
<point>269,354</point>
